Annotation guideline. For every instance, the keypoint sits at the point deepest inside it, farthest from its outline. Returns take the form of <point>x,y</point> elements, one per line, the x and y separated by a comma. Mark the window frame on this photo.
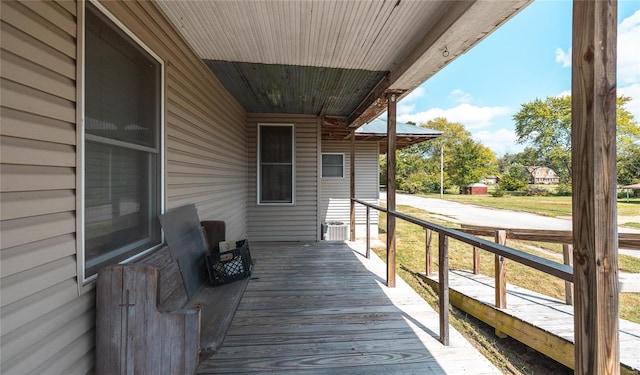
<point>342,176</point>
<point>259,201</point>
<point>86,283</point>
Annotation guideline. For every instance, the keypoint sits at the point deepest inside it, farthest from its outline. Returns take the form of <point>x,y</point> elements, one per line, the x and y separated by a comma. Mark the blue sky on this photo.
<point>528,58</point>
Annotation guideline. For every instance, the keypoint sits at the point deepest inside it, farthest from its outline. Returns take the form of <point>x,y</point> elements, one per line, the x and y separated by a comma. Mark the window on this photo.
<point>275,164</point>
<point>122,145</point>
<point>333,165</point>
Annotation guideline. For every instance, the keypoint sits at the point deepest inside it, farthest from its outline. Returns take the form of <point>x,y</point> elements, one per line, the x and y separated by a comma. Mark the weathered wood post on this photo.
<point>352,187</point>
<point>391,189</point>
<point>593,145</point>
<point>428,266</point>
<point>443,282</point>
<point>476,260</point>
<point>567,255</point>
<point>368,253</point>
<point>500,270</point>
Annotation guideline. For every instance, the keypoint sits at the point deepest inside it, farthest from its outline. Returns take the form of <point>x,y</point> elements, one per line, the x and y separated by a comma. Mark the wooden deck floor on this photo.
<point>543,321</point>
<point>322,308</point>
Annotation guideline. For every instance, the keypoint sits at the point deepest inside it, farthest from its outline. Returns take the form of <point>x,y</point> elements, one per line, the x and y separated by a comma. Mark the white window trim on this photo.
<point>88,283</point>
<point>293,167</point>
<point>322,165</point>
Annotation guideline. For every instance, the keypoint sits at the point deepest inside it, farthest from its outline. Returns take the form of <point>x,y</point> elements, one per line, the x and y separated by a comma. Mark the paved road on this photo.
<point>495,217</point>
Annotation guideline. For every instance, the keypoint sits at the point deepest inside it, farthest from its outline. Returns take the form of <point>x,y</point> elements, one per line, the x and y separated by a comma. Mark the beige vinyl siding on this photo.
<point>37,190</point>
<point>47,327</point>
<point>334,200</point>
<point>297,222</point>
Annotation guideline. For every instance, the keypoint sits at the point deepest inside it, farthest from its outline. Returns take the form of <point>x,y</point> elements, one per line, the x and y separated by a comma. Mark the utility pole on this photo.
<point>441,171</point>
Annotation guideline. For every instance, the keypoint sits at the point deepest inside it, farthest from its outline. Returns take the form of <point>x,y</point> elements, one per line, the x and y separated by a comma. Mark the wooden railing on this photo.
<point>498,248</point>
<point>630,241</point>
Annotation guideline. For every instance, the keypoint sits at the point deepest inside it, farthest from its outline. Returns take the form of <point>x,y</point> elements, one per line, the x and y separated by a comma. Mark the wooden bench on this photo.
<point>147,324</point>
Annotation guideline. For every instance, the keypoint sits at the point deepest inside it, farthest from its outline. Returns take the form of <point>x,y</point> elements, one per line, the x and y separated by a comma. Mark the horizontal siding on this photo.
<point>335,199</point>
<point>296,222</point>
<point>46,327</point>
<point>39,298</point>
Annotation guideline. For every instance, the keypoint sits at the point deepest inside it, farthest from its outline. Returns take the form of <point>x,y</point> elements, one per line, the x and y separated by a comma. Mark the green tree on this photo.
<point>418,166</point>
<point>546,125</point>
<point>470,162</point>
<point>629,164</point>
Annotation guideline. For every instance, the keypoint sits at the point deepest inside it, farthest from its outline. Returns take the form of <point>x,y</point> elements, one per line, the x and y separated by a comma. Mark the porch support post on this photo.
<point>593,140</point>
<point>391,189</point>
<point>352,183</point>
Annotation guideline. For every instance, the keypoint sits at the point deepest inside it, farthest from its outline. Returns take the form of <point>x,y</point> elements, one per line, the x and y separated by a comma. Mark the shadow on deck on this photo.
<point>322,308</point>
<point>541,322</point>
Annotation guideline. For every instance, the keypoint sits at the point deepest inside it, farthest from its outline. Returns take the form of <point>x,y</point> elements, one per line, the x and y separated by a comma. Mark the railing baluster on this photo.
<point>443,280</point>
<point>428,268</point>
<point>501,272</point>
<point>567,254</point>
<point>501,278</point>
<point>368,233</point>
<point>476,260</point>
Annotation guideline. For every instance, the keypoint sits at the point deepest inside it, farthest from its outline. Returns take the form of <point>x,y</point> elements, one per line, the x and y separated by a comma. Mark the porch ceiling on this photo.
<point>331,58</point>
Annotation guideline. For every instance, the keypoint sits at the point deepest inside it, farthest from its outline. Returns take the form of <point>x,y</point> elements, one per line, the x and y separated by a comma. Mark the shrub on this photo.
<point>534,191</point>
<point>510,183</point>
<point>563,190</point>
<point>498,192</point>
<point>417,182</point>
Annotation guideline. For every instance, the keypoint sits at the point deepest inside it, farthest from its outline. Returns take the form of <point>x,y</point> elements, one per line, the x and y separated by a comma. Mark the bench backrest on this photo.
<point>172,294</point>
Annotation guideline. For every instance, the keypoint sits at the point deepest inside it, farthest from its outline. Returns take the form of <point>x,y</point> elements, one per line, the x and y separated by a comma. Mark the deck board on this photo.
<point>322,308</point>
<point>544,312</point>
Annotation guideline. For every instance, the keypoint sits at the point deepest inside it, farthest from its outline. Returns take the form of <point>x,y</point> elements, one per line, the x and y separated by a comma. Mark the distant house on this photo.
<point>490,180</point>
<point>542,175</point>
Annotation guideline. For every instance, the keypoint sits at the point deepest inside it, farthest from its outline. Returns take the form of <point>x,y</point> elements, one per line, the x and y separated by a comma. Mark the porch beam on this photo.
<point>371,107</point>
<point>391,189</point>
<point>593,140</point>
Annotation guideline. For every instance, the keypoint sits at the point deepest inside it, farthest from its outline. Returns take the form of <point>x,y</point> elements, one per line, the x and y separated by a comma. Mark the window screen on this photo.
<point>122,168</point>
<point>276,164</point>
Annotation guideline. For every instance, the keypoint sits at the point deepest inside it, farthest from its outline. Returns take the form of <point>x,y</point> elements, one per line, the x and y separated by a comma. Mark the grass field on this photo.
<point>548,206</point>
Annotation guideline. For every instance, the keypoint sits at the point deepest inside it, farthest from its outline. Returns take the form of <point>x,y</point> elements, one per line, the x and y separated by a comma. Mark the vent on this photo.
<point>335,231</point>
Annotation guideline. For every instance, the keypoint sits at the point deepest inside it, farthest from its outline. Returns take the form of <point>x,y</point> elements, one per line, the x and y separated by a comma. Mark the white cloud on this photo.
<point>472,117</point>
<point>407,104</point>
<point>632,91</point>
<point>564,58</point>
<point>501,141</point>
<point>629,50</point>
<point>460,96</point>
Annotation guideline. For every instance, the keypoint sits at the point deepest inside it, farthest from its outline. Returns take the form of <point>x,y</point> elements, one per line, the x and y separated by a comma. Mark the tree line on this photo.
<point>543,125</point>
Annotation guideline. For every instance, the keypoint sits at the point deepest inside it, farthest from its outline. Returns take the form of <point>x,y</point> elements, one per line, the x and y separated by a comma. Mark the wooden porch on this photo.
<point>323,308</point>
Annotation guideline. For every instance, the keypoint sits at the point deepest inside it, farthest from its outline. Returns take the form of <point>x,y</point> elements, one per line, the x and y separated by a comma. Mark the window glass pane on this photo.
<point>122,84</point>
<point>332,165</point>
<point>276,183</point>
<point>332,171</point>
<point>121,209</point>
<point>275,144</point>
<point>332,159</point>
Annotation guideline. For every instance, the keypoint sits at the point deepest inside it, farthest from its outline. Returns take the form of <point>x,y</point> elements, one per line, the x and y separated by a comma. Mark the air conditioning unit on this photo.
<point>335,231</point>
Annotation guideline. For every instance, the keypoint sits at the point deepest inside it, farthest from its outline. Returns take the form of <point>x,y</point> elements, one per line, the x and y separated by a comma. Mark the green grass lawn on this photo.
<point>410,251</point>
<point>548,206</point>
